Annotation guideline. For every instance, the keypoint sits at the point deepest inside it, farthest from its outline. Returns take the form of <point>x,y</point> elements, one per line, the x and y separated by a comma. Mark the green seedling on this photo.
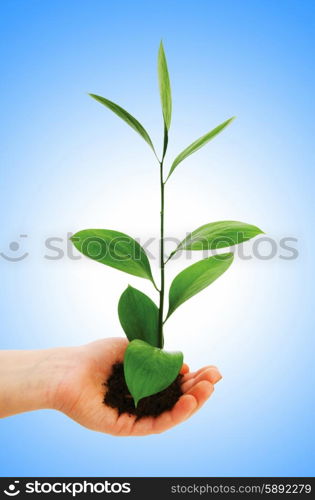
<point>148,368</point>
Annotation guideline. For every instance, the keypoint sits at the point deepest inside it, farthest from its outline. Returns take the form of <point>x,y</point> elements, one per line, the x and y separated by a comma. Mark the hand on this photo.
<point>79,391</point>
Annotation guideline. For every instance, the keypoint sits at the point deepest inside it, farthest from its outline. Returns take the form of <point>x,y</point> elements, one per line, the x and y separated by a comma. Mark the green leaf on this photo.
<point>220,234</point>
<point>202,141</point>
<point>114,249</point>
<point>165,87</point>
<point>149,370</point>
<point>127,117</point>
<point>197,277</point>
<point>139,316</point>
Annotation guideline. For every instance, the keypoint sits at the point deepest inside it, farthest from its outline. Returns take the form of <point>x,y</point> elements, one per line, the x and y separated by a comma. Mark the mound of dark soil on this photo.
<point>118,396</point>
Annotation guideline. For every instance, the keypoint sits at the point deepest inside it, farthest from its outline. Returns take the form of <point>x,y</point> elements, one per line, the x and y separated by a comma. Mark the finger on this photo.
<point>210,374</point>
<point>182,410</point>
<point>194,374</point>
<point>124,424</point>
<point>184,369</point>
<point>143,427</point>
<point>201,392</point>
<point>215,374</point>
<point>184,407</point>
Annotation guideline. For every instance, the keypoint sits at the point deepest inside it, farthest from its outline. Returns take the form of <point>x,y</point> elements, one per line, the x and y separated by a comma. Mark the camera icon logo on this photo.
<point>14,247</point>
<point>13,491</point>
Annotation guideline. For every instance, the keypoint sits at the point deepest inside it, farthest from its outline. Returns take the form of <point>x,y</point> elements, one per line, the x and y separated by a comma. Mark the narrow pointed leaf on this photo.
<point>197,277</point>
<point>220,234</point>
<point>139,316</point>
<point>113,249</point>
<point>127,117</point>
<point>165,87</point>
<point>202,141</point>
<point>149,370</point>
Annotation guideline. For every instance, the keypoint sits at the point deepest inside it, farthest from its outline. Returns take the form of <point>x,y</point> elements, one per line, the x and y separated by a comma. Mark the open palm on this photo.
<point>81,390</point>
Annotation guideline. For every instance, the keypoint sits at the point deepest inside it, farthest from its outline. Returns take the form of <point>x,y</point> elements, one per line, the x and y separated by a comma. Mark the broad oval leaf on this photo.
<point>127,117</point>
<point>113,249</point>
<point>149,370</point>
<point>198,144</point>
<point>219,234</point>
<point>197,277</point>
<point>139,316</point>
<point>165,87</point>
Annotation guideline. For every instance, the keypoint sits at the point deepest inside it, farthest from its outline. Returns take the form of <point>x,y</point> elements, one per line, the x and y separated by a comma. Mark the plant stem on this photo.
<point>161,308</point>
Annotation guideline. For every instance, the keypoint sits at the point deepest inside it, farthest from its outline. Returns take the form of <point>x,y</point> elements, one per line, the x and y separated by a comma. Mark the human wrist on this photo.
<point>30,379</point>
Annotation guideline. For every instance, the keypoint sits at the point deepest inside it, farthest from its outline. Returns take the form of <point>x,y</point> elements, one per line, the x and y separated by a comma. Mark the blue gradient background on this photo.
<point>67,164</point>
